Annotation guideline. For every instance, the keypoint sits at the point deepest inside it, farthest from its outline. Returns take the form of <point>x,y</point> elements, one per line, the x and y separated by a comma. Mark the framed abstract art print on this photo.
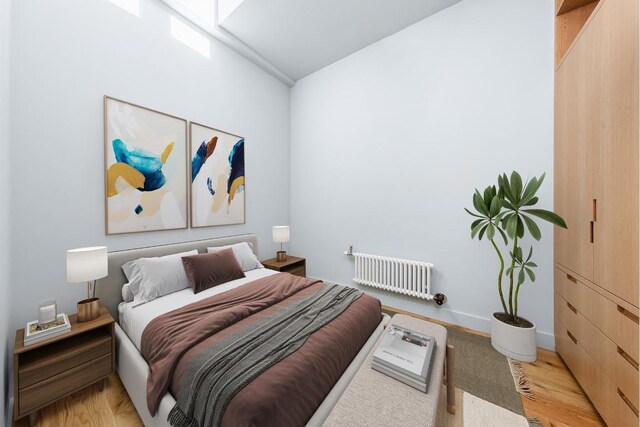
<point>217,177</point>
<point>145,169</point>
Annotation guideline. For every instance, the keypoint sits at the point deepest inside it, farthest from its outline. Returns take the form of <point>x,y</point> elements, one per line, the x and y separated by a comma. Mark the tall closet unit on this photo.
<point>596,185</point>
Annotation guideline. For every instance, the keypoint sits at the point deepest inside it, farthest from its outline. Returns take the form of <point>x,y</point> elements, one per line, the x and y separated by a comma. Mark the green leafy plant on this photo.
<point>508,211</point>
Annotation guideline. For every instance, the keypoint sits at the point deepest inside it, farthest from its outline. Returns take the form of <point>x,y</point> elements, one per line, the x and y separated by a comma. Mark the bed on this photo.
<point>132,367</point>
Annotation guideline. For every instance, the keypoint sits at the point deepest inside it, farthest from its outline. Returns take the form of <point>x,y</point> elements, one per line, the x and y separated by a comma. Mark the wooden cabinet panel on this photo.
<point>593,380</point>
<point>298,271</point>
<point>627,415</point>
<point>52,388</point>
<point>597,187</point>
<point>53,360</point>
<point>558,311</point>
<point>293,265</point>
<point>590,354</point>
<point>566,348</point>
<point>569,24</point>
<point>615,29</point>
<point>573,159</point>
<point>614,321</point>
<point>625,376</point>
<point>52,369</point>
<point>620,367</point>
<point>627,332</point>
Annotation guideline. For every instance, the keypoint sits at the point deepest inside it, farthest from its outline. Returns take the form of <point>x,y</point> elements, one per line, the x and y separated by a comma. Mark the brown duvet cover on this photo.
<point>285,394</point>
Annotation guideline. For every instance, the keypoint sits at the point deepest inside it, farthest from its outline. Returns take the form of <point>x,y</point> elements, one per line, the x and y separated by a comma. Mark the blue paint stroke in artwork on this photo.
<point>144,162</point>
<point>210,186</point>
<point>236,161</point>
<point>138,209</point>
<point>198,160</point>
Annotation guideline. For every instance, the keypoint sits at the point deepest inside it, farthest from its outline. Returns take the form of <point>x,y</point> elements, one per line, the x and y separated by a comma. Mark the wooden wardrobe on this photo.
<point>596,186</point>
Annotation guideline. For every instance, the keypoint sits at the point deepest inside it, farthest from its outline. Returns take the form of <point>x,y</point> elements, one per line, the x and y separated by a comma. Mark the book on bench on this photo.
<point>406,356</point>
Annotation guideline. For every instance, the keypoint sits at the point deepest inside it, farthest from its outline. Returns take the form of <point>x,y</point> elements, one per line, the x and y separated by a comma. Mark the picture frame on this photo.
<point>217,180</point>
<point>145,169</point>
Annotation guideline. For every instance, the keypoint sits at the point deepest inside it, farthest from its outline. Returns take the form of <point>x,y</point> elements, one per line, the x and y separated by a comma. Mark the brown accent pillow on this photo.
<point>205,271</point>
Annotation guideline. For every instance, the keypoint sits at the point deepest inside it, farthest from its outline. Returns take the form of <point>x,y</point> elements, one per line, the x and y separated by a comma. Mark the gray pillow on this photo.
<point>127,296</point>
<point>151,278</point>
<point>243,252</point>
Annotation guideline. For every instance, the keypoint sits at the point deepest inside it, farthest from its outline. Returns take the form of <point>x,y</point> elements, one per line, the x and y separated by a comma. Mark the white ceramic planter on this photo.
<point>516,343</point>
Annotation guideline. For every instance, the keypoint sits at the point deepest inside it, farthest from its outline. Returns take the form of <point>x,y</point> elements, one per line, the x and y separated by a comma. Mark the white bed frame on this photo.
<point>134,370</point>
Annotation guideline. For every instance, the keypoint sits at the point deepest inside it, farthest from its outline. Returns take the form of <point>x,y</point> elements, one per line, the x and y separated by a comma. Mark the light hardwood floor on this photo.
<point>559,400</point>
<point>90,407</point>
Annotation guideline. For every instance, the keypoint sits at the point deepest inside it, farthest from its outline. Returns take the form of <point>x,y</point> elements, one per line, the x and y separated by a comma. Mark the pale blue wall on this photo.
<point>5,203</point>
<point>388,144</point>
<point>65,56</point>
<point>5,206</point>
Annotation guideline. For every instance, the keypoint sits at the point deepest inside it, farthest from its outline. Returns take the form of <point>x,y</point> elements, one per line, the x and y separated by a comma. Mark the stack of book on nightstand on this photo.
<point>406,356</point>
<point>35,333</point>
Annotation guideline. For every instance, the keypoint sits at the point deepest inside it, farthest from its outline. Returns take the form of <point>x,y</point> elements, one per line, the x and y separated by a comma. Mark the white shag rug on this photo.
<point>471,411</point>
<point>480,413</point>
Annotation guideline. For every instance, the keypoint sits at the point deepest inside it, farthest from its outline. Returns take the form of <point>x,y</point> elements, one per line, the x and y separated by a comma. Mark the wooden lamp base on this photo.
<point>281,256</point>
<point>88,309</point>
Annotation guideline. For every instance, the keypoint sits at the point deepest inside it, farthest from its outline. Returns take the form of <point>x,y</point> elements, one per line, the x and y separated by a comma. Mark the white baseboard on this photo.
<point>545,339</point>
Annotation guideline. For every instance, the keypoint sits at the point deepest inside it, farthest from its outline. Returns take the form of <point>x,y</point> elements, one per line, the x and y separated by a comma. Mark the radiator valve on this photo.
<point>440,298</point>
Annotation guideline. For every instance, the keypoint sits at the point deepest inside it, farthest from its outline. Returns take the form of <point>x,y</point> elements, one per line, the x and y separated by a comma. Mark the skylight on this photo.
<point>190,37</point>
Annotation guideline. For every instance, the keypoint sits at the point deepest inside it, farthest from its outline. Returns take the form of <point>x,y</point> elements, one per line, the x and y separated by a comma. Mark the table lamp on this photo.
<point>87,265</point>
<point>281,235</point>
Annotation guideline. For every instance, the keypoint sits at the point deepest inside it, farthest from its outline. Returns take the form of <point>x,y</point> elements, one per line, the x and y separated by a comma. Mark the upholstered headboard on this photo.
<point>109,289</point>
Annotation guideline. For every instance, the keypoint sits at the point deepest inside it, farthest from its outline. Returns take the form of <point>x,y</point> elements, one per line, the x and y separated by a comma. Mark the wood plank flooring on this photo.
<point>90,407</point>
<point>560,402</point>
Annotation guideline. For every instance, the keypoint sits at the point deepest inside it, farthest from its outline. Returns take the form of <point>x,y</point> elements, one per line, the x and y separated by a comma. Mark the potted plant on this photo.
<point>508,213</point>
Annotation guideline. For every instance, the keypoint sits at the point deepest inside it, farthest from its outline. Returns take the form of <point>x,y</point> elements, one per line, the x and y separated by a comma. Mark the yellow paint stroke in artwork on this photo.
<point>152,200</point>
<point>234,187</point>
<point>166,152</point>
<point>126,172</point>
<point>221,188</point>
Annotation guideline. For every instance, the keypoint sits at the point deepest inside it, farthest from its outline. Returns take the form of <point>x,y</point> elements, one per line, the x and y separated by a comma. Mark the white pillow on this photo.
<point>244,254</point>
<point>151,278</point>
<point>130,270</point>
<point>127,296</point>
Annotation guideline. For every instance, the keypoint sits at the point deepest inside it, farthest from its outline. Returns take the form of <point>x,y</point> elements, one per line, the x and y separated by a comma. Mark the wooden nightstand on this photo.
<point>294,265</point>
<point>50,370</point>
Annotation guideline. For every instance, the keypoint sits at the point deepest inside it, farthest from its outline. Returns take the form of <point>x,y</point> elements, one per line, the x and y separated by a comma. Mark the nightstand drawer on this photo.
<point>62,356</point>
<point>297,271</point>
<point>52,388</point>
<point>292,265</point>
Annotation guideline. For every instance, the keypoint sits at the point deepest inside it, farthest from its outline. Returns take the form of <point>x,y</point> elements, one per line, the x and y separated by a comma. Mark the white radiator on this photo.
<point>404,276</point>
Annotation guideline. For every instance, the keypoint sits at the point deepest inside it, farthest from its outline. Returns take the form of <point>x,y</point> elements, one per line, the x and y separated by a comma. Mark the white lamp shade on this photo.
<point>281,233</point>
<point>86,264</point>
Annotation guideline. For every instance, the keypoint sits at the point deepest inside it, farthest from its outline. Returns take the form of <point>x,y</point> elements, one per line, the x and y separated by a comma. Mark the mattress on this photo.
<point>134,320</point>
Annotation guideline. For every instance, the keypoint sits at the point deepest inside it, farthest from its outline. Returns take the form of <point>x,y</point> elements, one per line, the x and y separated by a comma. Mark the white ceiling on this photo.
<point>302,36</point>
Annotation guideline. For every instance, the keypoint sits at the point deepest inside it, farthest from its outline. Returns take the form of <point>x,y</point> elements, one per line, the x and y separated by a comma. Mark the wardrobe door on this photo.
<point>573,158</point>
<point>616,166</point>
